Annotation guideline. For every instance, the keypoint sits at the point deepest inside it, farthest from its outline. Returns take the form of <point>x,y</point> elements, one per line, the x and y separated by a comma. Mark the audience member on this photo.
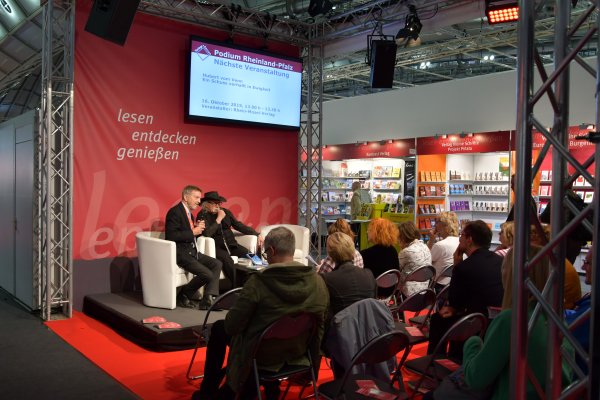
<point>356,202</point>
<point>413,255</point>
<point>382,255</point>
<point>284,287</point>
<point>443,241</point>
<point>579,236</point>
<point>486,363</point>
<point>328,265</point>
<point>582,331</point>
<point>532,205</point>
<point>507,236</point>
<point>572,287</point>
<point>476,282</point>
<point>346,283</point>
<point>180,229</point>
<point>219,223</point>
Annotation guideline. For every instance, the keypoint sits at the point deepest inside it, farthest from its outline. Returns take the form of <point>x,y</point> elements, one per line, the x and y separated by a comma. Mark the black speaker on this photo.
<point>383,60</point>
<point>111,19</point>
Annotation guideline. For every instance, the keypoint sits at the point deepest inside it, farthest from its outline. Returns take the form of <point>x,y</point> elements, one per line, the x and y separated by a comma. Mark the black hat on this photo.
<point>213,196</point>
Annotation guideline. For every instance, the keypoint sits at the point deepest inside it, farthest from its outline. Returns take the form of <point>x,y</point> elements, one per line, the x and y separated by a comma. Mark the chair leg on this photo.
<point>187,374</point>
<point>257,380</point>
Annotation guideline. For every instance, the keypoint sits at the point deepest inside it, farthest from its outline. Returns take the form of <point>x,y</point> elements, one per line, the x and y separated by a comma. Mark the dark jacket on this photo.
<point>477,283</point>
<point>379,259</point>
<point>222,232</point>
<point>279,290</point>
<point>178,230</point>
<point>348,284</point>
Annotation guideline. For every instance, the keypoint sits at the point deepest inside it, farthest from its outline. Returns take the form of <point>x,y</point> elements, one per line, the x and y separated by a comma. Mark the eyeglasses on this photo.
<point>587,262</point>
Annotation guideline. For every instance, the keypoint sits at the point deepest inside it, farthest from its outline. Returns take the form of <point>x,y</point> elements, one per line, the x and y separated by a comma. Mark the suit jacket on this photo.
<point>222,233</point>
<point>178,230</point>
<point>477,283</point>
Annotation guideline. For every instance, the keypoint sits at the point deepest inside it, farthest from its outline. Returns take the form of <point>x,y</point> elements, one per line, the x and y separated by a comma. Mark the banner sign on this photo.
<point>134,153</point>
<point>381,149</point>
<point>485,142</point>
<point>573,142</point>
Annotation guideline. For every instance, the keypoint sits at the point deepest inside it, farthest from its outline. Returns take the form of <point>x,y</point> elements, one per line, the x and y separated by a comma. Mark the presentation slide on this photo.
<point>240,85</point>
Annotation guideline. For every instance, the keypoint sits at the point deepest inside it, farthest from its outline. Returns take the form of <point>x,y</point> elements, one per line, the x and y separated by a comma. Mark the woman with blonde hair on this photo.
<point>382,255</point>
<point>413,255</point>
<point>507,237</point>
<point>443,241</point>
<point>342,226</point>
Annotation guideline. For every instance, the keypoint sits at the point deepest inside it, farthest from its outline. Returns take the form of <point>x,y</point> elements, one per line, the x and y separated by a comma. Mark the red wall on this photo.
<point>254,168</point>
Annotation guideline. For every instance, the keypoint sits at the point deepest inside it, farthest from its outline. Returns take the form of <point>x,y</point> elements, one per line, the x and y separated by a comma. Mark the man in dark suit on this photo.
<point>219,223</point>
<point>179,228</point>
<point>476,282</point>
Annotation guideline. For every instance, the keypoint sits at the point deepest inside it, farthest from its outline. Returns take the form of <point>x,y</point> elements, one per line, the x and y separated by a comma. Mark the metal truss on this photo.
<point>310,143</point>
<point>53,259</point>
<point>555,87</point>
<point>230,18</point>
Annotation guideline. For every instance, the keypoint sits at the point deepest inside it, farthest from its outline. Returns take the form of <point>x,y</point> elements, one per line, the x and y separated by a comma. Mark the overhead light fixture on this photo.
<point>501,11</point>
<point>412,26</point>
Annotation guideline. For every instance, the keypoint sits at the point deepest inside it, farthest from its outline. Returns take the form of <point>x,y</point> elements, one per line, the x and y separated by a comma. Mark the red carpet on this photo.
<point>148,374</point>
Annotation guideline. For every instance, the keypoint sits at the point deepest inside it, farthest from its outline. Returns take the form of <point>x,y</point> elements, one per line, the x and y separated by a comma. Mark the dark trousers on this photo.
<point>214,372</point>
<point>206,271</point>
<point>228,268</point>
<point>438,327</point>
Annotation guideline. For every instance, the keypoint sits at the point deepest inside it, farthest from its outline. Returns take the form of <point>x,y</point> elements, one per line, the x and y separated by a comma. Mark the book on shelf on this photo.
<point>443,190</point>
<point>580,181</point>
<point>432,209</point>
<point>427,223</point>
<point>588,197</point>
<point>428,176</point>
<point>348,196</point>
<point>433,190</point>
<point>545,176</point>
<point>438,176</point>
<point>422,192</point>
<point>421,209</point>
<point>396,172</point>
<point>324,196</point>
<point>422,176</point>
<point>544,190</point>
<point>438,208</point>
<point>342,208</point>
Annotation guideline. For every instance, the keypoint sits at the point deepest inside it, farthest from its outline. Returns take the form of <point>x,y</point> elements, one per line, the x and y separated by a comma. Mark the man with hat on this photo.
<point>219,222</point>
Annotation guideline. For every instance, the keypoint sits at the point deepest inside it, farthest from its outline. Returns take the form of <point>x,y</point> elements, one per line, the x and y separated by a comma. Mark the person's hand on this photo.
<point>446,312</point>
<point>220,216</point>
<point>260,240</point>
<point>458,255</point>
<point>431,234</point>
<point>199,227</point>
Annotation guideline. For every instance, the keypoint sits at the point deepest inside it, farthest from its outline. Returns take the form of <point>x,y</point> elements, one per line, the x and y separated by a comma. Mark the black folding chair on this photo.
<point>440,300</point>
<point>425,273</point>
<point>434,367</point>
<point>420,302</point>
<point>300,325</point>
<point>222,303</point>
<point>445,273</point>
<point>388,287</point>
<point>380,349</point>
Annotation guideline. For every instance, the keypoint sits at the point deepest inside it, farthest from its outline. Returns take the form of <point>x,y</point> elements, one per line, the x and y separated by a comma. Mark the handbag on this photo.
<point>453,387</point>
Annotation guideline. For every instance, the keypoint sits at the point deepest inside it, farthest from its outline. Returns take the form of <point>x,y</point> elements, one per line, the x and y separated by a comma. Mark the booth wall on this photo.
<point>479,104</point>
<point>116,196</point>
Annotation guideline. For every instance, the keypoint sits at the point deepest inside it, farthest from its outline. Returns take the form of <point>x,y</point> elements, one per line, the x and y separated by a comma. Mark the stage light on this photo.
<point>412,26</point>
<point>501,11</point>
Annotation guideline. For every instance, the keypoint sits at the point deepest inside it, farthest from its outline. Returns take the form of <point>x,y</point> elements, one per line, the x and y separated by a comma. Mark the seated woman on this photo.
<point>382,256</point>
<point>346,283</point>
<point>328,265</point>
<point>443,241</point>
<point>414,254</point>
<point>486,363</point>
<point>507,236</point>
<point>572,288</point>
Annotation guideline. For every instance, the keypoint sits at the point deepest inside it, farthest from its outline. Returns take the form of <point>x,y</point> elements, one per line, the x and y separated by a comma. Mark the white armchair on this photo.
<point>159,272</point>
<point>302,236</point>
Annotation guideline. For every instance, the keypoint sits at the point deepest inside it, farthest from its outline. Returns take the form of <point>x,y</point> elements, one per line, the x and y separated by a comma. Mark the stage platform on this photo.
<point>123,312</point>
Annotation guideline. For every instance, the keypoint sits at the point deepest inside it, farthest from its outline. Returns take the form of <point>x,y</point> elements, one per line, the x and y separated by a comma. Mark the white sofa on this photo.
<point>302,236</point>
<point>159,272</point>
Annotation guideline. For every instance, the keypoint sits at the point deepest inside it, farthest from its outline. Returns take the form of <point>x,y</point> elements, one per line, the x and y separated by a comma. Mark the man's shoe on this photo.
<point>205,303</point>
<point>184,301</point>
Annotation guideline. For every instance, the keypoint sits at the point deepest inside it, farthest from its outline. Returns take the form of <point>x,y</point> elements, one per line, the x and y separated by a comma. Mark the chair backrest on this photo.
<point>442,298</point>
<point>469,325</point>
<point>389,281</point>
<point>288,327</point>
<point>418,301</point>
<point>380,349</point>
<point>421,274</point>
<point>446,272</point>
<point>223,302</point>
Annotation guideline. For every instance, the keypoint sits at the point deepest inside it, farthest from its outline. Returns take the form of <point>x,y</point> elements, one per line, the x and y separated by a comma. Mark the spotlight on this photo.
<point>501,11</point>
<point>412,26</point>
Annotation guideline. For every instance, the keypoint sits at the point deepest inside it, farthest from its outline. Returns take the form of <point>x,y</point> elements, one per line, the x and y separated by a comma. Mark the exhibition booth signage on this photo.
<point>484,142</point>
<point>380,149</point>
